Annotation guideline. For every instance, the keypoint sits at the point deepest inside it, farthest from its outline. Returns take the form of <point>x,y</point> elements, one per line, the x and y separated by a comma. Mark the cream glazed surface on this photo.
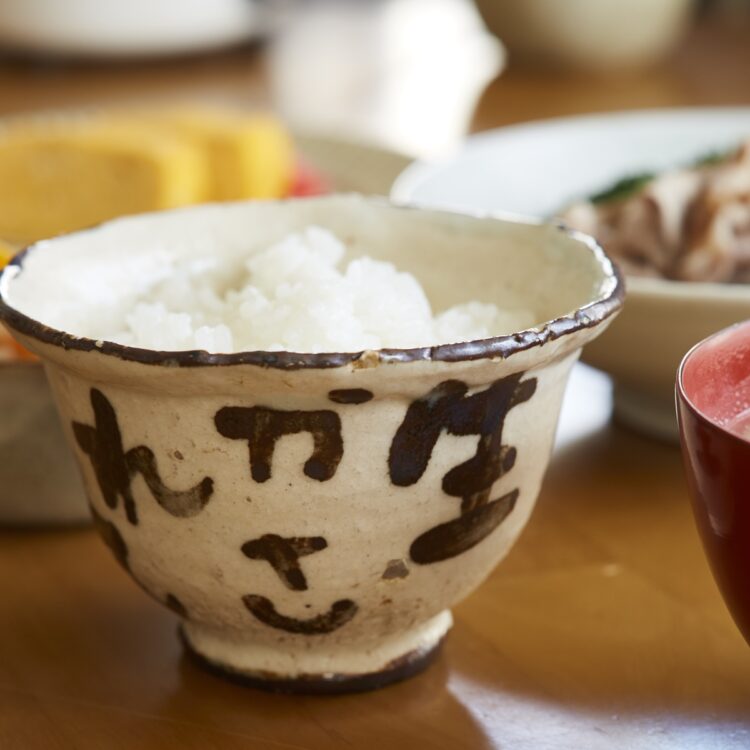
<point>312,518</point>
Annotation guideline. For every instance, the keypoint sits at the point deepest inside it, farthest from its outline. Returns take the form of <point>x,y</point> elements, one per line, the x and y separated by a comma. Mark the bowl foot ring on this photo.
<point>406,666</point>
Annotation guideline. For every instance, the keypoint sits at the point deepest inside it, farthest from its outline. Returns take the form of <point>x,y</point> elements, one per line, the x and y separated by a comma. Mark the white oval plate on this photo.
<point>536,168</point>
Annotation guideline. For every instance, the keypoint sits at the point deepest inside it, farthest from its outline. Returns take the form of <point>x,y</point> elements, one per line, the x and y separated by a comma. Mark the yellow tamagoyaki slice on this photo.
<point>60,177</point>
<point>249,155</point>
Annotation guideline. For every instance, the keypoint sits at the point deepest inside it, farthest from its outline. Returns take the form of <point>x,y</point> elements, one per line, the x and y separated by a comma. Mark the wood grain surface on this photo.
<point>602,629</point>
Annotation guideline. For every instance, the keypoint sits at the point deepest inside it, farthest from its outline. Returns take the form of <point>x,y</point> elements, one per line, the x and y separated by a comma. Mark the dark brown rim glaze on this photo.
<point>399,669</point>
<point>588,316</point>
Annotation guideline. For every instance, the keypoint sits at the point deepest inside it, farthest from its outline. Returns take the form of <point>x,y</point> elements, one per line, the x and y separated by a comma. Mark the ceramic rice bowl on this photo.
<point>312,517</point>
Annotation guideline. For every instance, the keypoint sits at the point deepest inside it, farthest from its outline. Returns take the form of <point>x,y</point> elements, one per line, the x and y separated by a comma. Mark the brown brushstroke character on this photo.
<point>447,407</point>
<point>460,534</point>
<point>115,469</point>
<point>262,427</point>
<point>283,554</point>
<point>337,616</point>
<point>179,503</point>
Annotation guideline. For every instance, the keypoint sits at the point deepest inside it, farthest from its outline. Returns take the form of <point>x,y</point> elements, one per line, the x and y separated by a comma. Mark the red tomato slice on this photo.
<point>308,181</point>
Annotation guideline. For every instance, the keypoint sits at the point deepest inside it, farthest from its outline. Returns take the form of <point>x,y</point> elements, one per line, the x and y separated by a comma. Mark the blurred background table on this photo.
<point>602,629</point>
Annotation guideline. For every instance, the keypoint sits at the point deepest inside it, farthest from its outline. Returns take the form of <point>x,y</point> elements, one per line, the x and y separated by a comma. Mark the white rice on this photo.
<point>293,297</point>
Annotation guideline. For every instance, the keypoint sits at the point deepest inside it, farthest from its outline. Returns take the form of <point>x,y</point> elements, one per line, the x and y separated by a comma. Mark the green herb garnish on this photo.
<point>714,157</point>
<point>629,186</point>
<point>623,188</point>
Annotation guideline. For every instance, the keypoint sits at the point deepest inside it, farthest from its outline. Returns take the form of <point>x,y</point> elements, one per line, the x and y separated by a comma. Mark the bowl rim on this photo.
<point>606,304</point>
<point>415,173</point>
<point>684,398</point>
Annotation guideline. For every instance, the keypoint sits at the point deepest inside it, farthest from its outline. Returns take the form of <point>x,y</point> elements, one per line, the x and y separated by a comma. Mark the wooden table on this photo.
<point>602,629</point>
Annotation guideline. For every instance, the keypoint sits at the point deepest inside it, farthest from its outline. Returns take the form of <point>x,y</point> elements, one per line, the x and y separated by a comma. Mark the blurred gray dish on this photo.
<point>39,483</point>
<point>136,28</point>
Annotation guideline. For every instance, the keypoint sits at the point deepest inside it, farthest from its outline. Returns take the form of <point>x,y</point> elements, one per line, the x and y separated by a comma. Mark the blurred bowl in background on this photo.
<point>587,33</point>
<point>111,28</point>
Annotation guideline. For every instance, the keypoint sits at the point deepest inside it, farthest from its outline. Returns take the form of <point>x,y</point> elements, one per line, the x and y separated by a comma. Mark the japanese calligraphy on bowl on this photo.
<point>311,518</point>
